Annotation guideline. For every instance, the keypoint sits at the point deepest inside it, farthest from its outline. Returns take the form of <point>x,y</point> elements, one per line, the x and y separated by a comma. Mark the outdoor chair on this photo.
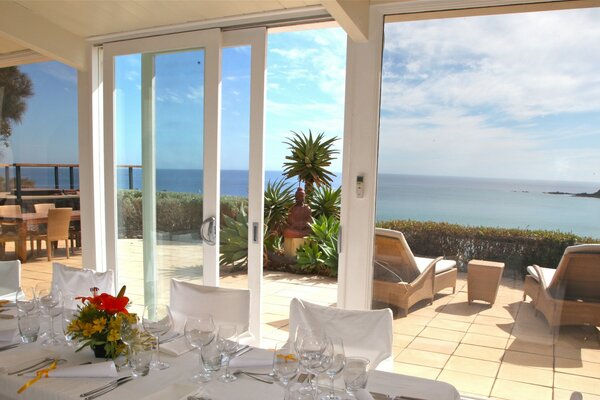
<point>374,343</point>
<point>392,252</point>
<point>59,220</point>
<point>226,305</point>
<point>569,294</point>
<point>38,229</point>
<point>9,229</point>
<point>74,282</point>
<point>10,279</point>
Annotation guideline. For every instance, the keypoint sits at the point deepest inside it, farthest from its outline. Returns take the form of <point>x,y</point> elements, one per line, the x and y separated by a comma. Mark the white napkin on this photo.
<point>176,347</point>
<point>260,358</point>
<point>174,391</point>
<point>104,369</point>
<point>363,394</point>
<point>8,335</point>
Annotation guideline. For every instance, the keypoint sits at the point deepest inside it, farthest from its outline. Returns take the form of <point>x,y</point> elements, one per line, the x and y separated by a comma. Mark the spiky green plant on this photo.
<point>279,197</point>
<point>325,201</point>
<point>234,240</point>
<point>309,159</point>
<point>321,248</point>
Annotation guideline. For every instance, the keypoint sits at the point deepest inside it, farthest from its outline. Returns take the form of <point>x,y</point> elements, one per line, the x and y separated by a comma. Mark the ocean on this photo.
<point>505,203</point>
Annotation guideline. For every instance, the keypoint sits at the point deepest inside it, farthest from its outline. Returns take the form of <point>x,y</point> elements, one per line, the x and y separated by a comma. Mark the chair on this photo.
<point>74,281</point>
<point>224,304</point>
<point>10,279</point>
<point>365,333</point>
<point>9,230</point>
<point>569,294</point>
<point>392,251</point>
<point>390,288</point>
<point>40,208</point>
<point>59,220</point>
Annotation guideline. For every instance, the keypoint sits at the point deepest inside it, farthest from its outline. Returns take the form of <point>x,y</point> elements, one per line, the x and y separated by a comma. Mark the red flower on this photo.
<point>111,304</point>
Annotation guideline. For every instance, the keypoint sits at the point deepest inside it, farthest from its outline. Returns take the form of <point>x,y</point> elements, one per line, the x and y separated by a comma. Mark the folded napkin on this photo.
<point>22,356</point>
<point>8,335</point>
<point>176,347</point>
<point>363,394</point>
<point>255,359</point>
<point>104,369</point>
<point>175,391</point>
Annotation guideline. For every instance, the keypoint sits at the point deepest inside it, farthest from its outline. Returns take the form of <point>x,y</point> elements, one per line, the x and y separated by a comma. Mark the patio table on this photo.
<point>26,219</point>
<point>174,382</point>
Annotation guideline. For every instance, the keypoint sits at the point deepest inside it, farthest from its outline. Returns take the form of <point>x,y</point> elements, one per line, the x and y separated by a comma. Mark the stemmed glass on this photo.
<point>68,317</point>
<point>49,299</point>
<point>285,365</point>
<point>310,345</point>
<point>199,332</point>
<point>337,361</point>
<point>157,321</point>
<point>130,334</point>
<point>227,343</point>
<point>25,300</point>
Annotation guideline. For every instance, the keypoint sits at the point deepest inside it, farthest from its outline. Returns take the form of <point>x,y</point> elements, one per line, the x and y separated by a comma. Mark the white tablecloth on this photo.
<point>174,383</point>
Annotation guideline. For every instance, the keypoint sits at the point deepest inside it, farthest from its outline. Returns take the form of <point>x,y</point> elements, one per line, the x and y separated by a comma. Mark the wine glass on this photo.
<point>49,299</point>
<point>285,365</point>
<point>200,331</point>
<point>337,361</point>
<point>310,345</point>
<point>130,334</point>
<point>227,343</point>
<point>157,321</point>
<point>68,316</point>
<point>25,299</point>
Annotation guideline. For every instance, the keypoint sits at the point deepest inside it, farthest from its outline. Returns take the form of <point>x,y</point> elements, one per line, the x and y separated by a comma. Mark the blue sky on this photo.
<point>513,96</point>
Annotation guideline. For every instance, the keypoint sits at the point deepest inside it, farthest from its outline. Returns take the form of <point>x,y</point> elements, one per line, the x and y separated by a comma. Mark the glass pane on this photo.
<point>178,134</point>
<point>39,162</point>
<point>485,150</point>
<point>235,149</point>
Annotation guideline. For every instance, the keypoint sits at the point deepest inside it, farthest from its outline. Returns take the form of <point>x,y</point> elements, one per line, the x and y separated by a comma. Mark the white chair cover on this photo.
<point>78,281</point>
<point>226,305</point>
<point>364,333</point>
<point>10,279</point>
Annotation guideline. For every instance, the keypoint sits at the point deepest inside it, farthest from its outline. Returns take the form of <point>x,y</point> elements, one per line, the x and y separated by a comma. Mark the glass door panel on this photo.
<point>235,150</point>
<point>159,134</point>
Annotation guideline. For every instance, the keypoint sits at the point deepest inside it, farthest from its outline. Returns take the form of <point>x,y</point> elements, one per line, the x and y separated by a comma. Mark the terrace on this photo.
<point>502,351</point>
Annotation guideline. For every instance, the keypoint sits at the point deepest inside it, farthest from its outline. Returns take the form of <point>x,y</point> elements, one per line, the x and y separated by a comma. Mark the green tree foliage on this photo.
<point>309,159</point>
<point>15,87</point>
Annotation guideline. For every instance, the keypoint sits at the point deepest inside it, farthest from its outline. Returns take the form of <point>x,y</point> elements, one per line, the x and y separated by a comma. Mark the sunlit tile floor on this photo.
<point>501,351</point>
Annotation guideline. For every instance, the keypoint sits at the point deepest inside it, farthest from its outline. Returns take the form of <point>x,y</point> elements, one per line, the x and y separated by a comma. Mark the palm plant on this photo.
<point>234,240</point>
<point>279,197</point>
<point>325,201</point>
<point>309,159</point>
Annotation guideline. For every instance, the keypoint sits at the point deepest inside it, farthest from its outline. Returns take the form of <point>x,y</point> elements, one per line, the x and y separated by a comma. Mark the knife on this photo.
<point>110,388</point>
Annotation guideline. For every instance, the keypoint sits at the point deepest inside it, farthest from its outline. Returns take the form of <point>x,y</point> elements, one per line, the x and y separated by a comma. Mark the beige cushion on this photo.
<point>440,266</point>
<point>548,273</point>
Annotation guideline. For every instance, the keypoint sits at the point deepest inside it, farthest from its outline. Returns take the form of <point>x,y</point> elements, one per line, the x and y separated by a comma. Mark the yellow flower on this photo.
<point>115,323</point>
<point>74,326</point>
<point>87,329</point>
<point>287,357</point>
<point>99,325</point>
<point>113,335</point>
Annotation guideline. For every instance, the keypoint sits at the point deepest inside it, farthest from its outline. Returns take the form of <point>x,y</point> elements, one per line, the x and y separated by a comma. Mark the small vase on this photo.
<point>99,351</point>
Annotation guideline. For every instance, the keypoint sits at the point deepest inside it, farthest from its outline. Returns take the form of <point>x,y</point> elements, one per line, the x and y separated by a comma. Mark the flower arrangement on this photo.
<point>98,324</point>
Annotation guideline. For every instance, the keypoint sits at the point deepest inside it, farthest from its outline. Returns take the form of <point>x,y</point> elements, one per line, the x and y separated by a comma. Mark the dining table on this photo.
<point>27,219</point>
<point>174,382</point>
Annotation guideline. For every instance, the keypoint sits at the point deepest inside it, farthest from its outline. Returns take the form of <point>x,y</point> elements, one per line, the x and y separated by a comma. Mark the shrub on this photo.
<point>325,201</point>
<point>234,240</point>
<point>517,248</point>
<point>320,251</point>
<point>279,197</point>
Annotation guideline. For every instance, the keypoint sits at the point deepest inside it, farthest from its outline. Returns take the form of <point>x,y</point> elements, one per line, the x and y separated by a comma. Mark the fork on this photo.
<point>253,376</point>
<point>9,346</point>
<point>46,360</point>
<point>110,387</point>
<point>99,389</point>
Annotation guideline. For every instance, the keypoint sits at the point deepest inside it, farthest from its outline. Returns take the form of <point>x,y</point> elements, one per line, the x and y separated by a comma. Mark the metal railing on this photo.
<point>18,183</point>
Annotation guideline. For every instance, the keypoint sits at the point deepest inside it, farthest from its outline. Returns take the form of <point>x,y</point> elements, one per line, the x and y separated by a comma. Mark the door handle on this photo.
<point>208,231</point>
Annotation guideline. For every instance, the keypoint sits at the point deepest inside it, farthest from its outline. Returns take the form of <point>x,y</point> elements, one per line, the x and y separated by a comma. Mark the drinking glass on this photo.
<point>25,299</point>
<point>211,358</point>
<point>200,331</point>
<point>157,321</point>
<point>227,343</point>
<point>49,300</point>
<point>140,359</point>
<point>130,335</point>
<point>285,365</point>
<point>355,374</point>
<point>337,361</point>
<point>29,326</point>
<point>68,317</point>
<point>310,345</point>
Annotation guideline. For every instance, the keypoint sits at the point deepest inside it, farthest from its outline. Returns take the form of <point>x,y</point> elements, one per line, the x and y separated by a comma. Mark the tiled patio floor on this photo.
<point>502,351</point>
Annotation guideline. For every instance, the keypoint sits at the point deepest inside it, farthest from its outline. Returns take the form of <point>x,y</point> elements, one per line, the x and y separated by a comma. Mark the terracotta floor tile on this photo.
<point>408,329</point>
<point>574,382</point>
<point>420,357</point>
<point>528,359</point>
<point>442,334</point>
<point>479,352</point>
<point>525,374</point>
<point>489,320</point>
<point>577,367</point>
<point>472,366</point>
<point>512,390</point>
<point>527,346</point>
<point>467,383</point>
<point>460,326</point>
<point>490,330</point>
<point>562,394</point>
<point>416,370</point>
<point>434,345</point>
<point>483,340</point>
<point>577,353</point>
<point>402,340</point>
